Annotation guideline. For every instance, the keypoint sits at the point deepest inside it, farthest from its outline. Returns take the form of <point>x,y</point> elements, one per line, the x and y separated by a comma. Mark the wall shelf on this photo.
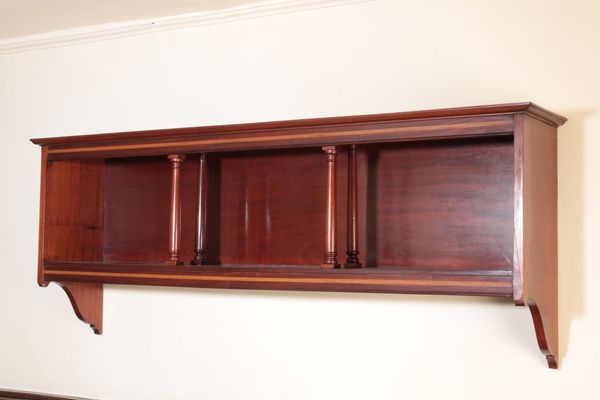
<point>456,201</point>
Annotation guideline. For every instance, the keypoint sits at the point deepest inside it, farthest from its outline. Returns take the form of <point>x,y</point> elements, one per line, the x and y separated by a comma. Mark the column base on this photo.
<point>199,261</point>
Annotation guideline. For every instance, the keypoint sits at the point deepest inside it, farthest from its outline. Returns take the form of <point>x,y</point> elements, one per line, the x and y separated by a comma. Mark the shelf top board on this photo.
<point>415,125</point>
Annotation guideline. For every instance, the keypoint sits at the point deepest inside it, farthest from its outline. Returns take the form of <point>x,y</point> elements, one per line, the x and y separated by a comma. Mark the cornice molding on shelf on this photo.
<point>93,33</point>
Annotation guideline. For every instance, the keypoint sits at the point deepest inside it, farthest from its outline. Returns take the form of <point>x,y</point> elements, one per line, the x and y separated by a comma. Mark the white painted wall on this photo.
<point>379,56</point>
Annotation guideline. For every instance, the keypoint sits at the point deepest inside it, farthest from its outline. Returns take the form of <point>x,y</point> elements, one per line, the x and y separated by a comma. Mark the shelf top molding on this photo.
<point>445,123</point>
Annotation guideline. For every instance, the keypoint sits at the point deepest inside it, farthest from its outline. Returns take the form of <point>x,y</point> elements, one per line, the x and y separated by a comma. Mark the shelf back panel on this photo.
<point>136,208</point>
<point>438,205</point>
<point>446,204</point>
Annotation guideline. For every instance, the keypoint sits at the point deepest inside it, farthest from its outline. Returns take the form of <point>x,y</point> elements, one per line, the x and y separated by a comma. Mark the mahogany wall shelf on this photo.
<point>454,201</point>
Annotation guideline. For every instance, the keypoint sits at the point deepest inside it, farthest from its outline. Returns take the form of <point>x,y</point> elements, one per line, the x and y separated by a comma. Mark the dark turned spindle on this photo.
<point>200,257</point>
<point>352,252</point>
<point>175,217</point>
<point>330,241</point>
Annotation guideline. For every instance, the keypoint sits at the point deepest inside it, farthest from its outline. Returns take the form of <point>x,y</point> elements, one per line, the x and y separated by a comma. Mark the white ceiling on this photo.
<point>28,17</point>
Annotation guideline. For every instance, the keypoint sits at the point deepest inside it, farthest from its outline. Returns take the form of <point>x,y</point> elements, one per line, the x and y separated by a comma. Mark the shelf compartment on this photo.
<point>262,207</point>
<point>446,204</point>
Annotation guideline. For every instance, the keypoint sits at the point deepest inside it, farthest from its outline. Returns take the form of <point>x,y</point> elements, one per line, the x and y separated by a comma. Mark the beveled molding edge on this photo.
<point>23,395</point>
<point>93,33</point>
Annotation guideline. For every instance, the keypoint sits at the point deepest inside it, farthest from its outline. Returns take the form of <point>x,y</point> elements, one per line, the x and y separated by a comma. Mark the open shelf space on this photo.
<point>268,207</point>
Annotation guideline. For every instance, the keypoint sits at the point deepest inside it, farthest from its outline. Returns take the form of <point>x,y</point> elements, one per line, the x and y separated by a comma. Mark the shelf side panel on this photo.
<point>74,197</point>
<point>536,278</point>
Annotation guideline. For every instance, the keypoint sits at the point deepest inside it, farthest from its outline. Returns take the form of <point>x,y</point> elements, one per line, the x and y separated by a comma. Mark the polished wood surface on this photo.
<point>330,260</point>
<point>352,251</point>
<point>443,205</point>
<point>87,302</point>
<point>274,277</point>
<point>200,256</point>
<point>413,125</point>
<point>41,230</point>
<point>175,215</point>
<point>457,201</point>
<point>73,210</point>
<point>267,208</point>
<point>452,128</point>
<point>536,264</point>
<point>22,395</point>
<point>137,209</point>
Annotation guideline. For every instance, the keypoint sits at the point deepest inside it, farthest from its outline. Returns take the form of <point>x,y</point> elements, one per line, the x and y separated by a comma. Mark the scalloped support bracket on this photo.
<point>87,302</point>
<point>545,323</point>
<point>547,335</point>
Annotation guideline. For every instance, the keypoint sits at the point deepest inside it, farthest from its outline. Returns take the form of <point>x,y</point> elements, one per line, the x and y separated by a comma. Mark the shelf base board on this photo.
<point>308,278</point>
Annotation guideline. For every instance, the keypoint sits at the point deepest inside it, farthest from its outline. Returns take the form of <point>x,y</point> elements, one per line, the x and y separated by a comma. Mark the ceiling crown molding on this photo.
<point>87,34</point>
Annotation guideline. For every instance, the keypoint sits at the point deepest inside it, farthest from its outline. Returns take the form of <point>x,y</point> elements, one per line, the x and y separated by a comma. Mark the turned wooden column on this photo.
<point>330,233</point>
<point>200,256</point>
<point>175,217</point>
<point>352,220</point>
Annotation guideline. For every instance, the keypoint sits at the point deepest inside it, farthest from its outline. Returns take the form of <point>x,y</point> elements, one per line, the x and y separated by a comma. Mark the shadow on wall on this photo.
<point>571,194</point>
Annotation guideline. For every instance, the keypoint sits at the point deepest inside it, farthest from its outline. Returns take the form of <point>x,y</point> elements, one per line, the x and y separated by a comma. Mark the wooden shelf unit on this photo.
<point>454,201</point>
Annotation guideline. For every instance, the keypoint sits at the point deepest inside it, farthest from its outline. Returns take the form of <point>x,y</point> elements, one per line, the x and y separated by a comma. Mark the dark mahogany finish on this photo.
<point>352,218</point>
<point>175,216</point>
<point>458,201</point>
<point>200,256</point>
<point>87,301</point>
<point>535,280</point>
<point>444,205</point>
<point>21,395</point>
<point>330,260</point>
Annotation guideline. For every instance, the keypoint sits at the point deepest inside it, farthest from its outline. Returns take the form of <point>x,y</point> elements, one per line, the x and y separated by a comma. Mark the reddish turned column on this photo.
<point>352,252</point>
<point>200,257</point>
<point>175,219</point>
<point>330,234</point>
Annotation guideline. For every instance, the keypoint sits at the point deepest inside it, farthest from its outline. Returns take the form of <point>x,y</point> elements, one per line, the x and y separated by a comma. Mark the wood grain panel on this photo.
<point>87,300</point>
<point>74,210</point>
<point>137,209</point>
<point>272,207</point>
<point>443,205</point>
<point>537,244</point>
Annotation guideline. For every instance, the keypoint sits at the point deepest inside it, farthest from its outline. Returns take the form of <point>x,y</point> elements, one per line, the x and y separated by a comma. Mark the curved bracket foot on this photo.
<point>86,299</point>
<point>543,338</point>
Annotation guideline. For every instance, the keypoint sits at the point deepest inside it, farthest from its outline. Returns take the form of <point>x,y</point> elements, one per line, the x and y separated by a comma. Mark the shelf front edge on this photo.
<point>425,282</point>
